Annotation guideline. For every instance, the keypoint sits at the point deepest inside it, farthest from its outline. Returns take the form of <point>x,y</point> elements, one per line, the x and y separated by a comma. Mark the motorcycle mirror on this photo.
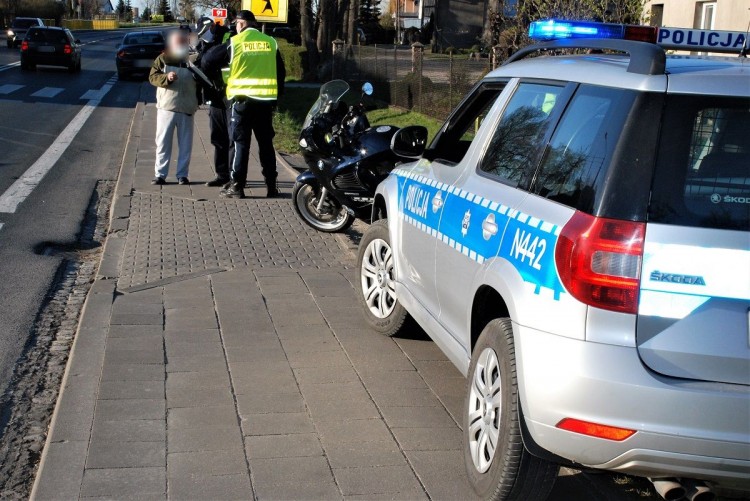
<point>410,142</point>
<point>367,89</point>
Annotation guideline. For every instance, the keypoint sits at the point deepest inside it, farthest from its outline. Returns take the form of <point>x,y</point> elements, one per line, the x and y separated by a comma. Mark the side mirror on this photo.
<point>367,89</point>
<point>410,142</point>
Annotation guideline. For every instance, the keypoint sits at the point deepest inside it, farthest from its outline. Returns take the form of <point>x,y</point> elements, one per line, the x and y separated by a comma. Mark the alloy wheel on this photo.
<point>485,408</point>
<point>377,277</point>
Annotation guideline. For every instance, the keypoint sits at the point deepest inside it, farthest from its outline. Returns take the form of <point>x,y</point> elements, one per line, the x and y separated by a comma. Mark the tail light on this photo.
<point>24,45</point>
<point>121,54</point>
<point>599,261</point>
<point>67,49</point>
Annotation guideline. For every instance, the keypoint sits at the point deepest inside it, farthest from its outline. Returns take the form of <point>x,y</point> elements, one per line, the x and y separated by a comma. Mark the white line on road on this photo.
<point>9,66</point>
<point>24,185</point>
<point>9,88</point>
<point>47,92</point>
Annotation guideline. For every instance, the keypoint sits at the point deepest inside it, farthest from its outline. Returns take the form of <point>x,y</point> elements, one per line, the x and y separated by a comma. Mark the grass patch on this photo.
<point>295,104</point>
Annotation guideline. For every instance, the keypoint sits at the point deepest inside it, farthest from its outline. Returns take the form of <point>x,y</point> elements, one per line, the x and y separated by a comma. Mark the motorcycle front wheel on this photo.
<point>332,217</point>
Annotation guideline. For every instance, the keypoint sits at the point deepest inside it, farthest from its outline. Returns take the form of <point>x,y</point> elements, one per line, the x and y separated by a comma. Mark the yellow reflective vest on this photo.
<point>252,70</point>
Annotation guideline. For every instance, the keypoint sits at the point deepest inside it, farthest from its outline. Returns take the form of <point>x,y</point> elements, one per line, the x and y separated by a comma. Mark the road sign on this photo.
<point>267,11</point>
<point>222,13</point>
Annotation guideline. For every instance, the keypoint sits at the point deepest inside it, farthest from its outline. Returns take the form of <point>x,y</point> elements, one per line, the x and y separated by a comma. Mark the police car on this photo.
<point>576,239</point>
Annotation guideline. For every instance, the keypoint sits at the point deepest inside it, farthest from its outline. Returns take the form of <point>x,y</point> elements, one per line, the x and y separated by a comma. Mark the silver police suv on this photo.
<point>576,239</point>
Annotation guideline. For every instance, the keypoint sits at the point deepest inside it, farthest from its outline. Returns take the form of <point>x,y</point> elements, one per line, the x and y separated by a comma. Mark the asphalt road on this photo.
<point>54,210</point>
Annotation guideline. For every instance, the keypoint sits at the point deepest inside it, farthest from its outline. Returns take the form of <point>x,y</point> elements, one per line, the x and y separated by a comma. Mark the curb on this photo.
<point>61,468</point>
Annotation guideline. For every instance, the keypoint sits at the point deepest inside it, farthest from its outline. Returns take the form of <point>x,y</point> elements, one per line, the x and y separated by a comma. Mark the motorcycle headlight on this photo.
<point>329,138</point>
<point>303,142</point>
<point>321,164</point>
<point>10,33</point>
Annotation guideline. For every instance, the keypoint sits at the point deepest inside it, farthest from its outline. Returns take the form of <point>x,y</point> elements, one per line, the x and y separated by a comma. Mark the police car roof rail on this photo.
<point>645,58</point>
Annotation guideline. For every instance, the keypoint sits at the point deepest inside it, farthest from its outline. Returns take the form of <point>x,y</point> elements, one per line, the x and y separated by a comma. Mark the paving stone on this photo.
<point>205,438</point>
<point>198,380</point>
<point>111,454</point>
<point>182,349</point>
<point>298,360</point>
<point>278,446</point>
<point>263,403</point>
<point>355,431</point>
<point>126,410</point>
<point>222,462</point>
<point>429,439</point>
<point>350,454</point>
<point>135,308</point>
<point>353,390</point>
<point>193,417</point>
<point>196,363</point>
<point>290,470</point>
<point>417,417</point>
<point>121,390</point>
<point>276,424</point>
<point>145,357</point>
<point>442,473</point>
<point>133,331</point>
<point>389,496</point>
<point>377,480</point>
<point>145,343</point>
<point>203,397</point>
<point>436,369</point>
<point>312,375</point>
<point>61,471</point>
<point>192,336</point>
<point>138,430</point>
<point>132,372</point>
<point>311,491</point>
<point>137,319</point>
<point>203,487</point>
<point>392,379</point>
<point>339,410</point>
<point>125,483</point>
<point>405,397</point>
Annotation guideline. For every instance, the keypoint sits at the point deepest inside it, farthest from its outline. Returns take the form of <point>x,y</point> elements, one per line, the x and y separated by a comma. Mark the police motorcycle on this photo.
<point>346,160</point>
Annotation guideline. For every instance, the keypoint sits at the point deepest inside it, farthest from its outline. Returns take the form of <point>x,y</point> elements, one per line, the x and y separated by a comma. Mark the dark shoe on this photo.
<point>217,181</point>
<point>273,191</point>
<point>158,180</point>
<point>183,181</point>
<point>234,190</point>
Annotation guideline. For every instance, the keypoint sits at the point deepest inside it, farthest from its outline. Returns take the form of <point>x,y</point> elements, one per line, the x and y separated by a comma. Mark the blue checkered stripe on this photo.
<point>480,229</point>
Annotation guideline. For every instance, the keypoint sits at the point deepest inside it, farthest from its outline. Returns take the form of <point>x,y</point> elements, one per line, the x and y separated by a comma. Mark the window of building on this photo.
<point>657,14</point>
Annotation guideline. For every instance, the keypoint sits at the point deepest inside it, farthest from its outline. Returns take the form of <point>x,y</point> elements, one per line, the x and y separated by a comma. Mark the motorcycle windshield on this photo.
<point>330,93</point>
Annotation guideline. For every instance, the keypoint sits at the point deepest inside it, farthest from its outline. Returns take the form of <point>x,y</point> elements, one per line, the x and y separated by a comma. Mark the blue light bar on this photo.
<point>552,29</point>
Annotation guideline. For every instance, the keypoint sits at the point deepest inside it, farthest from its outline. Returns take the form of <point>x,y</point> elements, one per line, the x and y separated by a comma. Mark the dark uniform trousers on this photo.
<point>250,117</point>
<point>219,119</point>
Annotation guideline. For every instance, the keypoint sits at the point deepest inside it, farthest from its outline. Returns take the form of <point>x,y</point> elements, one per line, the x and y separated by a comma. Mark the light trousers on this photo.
<point>166,123</point>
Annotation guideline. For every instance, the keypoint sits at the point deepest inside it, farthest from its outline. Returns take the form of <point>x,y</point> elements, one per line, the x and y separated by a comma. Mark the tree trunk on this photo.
<point>352,21</point>
<point>325,9</point>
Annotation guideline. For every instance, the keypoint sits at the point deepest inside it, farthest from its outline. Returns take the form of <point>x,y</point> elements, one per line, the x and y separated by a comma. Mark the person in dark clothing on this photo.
<point>218,106</point>
<point>256,81</point>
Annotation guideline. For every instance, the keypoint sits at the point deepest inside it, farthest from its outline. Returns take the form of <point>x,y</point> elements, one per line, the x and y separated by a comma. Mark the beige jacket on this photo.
<point>180,95</point>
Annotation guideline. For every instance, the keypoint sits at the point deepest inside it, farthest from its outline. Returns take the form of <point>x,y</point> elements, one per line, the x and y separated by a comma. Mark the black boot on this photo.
<point>273,190</point>
<point>218,181</point>
<point>233,190</point>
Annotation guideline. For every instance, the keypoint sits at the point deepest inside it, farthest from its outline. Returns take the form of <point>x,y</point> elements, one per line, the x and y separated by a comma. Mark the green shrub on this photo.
<point>157,18</point>
<point>292,56</point>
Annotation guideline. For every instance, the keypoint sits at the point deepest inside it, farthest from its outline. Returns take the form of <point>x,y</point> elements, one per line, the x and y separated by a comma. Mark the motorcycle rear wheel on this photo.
<point>335,219</point>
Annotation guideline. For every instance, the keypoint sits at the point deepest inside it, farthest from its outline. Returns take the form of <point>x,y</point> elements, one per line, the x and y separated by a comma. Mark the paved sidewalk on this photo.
<point>222,355</point>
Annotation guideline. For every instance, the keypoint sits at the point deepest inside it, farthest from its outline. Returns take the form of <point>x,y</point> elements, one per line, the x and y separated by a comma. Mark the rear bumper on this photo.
<point>55,60</point>
<point>134,65</point>
<point>684,429</point>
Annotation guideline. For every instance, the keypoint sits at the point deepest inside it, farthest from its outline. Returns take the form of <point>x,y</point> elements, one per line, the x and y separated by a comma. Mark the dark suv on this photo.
<point>18,29</point>
<point>50,46</point>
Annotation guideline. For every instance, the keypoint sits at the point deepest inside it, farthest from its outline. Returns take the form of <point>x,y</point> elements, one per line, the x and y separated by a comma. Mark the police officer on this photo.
<point>218,106</point>
<point>256,80</point>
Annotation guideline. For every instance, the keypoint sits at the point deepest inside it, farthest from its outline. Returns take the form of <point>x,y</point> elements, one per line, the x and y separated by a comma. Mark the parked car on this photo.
<point>576,240</point>
<point>50,46</point>
<point>286,33</point>
<point>137,52</point>
<point>18,28</point>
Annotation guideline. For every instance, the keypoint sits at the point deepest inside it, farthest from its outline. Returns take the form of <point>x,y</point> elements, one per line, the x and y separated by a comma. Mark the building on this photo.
<point>731,15</point>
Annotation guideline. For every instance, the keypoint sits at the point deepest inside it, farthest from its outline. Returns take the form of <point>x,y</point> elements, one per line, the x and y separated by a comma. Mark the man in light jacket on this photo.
<point>176,103</point>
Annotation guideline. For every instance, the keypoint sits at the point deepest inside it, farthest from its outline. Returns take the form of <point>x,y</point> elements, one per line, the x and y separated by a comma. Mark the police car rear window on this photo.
<point>703,168</point>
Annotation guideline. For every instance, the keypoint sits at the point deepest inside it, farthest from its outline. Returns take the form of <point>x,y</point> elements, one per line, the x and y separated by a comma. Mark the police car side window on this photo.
<point>582,145</point>
<point>516,143</point>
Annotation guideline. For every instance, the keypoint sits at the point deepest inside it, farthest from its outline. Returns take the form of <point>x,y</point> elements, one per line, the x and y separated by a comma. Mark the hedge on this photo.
<point>292,56</point>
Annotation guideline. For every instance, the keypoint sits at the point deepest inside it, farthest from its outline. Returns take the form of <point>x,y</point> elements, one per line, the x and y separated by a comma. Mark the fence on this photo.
<point>410,78</point>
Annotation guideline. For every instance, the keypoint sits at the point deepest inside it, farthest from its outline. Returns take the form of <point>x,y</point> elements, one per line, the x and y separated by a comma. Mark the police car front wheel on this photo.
<point>497,464</point>
<point>377,289</point>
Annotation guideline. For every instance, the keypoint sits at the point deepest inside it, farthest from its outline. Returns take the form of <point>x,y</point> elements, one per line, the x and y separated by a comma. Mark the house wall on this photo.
<point>732,15</point>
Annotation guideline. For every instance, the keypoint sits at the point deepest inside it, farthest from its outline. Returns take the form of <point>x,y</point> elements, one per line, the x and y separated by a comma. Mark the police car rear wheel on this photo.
<point>498,465</point>
<point>334,218</point>
<point>377,289</point>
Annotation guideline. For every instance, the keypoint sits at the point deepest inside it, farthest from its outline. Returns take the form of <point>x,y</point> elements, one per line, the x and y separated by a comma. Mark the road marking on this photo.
<point>9,66</point>
<point>92,94</point>
<point>8,88</point>
<point>47,92</point>
<point>24,185</point>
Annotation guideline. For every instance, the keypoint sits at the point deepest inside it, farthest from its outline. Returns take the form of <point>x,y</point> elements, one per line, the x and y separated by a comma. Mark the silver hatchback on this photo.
<point>576,239</point>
